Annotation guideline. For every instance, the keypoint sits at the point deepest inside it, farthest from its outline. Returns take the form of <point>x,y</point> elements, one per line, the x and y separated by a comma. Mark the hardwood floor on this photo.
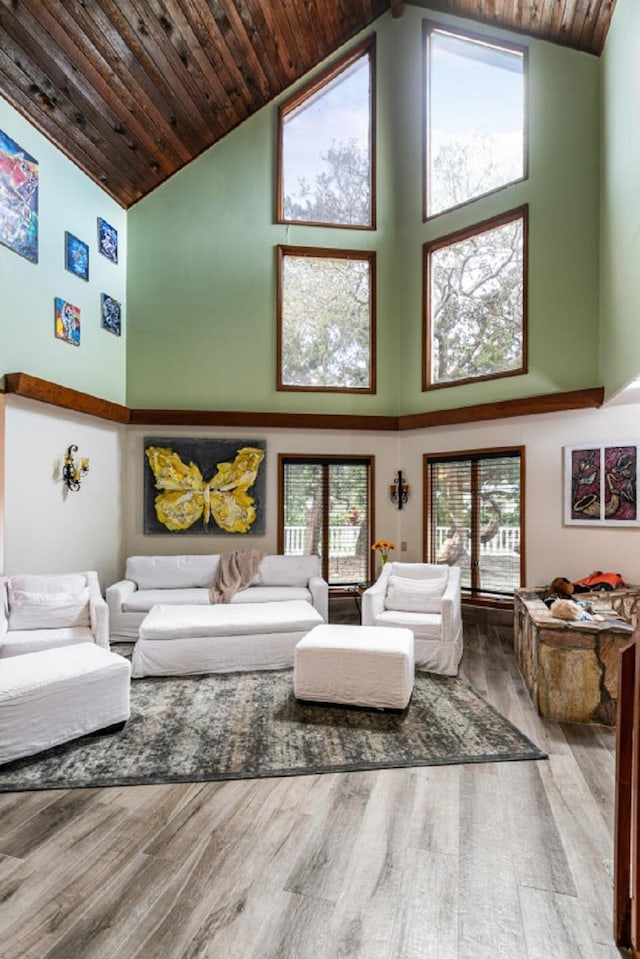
<point>485,861</point>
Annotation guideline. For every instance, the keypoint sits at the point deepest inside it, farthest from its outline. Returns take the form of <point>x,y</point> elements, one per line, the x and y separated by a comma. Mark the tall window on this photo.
<point>475,302</point>
<point>326,320</point>
<point>474,517</point>
<point>326,146</point>
<point>475,117</point>
<point>326,509</point>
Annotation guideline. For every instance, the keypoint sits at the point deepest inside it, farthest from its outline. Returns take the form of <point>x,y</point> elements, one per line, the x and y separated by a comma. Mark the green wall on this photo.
<point>201,277</point>
<point>68,200</point>
<point>620,200</point>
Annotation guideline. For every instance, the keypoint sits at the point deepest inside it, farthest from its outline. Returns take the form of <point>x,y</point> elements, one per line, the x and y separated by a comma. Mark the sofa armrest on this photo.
<point>319,589</point>
<point>98,612</point>
<point>373,599</point>
<point>4,622</point>
<point>116,595</point>
<point>451,606</point>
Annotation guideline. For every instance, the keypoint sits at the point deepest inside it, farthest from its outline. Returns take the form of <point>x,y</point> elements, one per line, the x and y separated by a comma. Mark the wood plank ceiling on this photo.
<point>133,90</point>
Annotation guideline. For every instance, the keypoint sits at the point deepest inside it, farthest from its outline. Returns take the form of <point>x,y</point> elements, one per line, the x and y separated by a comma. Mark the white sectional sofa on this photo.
<point>185,581</point>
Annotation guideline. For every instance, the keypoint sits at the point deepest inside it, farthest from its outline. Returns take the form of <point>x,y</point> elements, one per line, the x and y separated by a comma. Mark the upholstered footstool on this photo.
<point>54,695</point>
<point>355,665</point>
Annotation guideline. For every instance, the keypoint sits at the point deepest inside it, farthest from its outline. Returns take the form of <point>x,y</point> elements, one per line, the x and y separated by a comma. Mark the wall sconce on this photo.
<point>399,490</point>
<point>72,471</point>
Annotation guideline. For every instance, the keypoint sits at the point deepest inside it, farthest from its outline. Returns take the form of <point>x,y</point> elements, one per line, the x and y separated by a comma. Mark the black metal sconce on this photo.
<point>399,490</point>
<point>72,471</point>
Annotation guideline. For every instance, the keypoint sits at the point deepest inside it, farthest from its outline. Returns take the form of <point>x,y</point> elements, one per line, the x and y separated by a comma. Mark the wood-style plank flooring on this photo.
<point>486,861</point>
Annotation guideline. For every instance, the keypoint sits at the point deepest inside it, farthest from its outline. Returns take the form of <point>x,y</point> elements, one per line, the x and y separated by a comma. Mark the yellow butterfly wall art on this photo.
<point>186,497</point>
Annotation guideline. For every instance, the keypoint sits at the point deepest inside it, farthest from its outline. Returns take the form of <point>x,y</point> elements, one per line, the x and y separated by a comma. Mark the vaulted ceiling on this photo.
<point>133,90</point>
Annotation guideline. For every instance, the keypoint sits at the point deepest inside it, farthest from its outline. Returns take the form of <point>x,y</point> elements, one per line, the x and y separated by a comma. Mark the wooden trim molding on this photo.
<point>33,388</point>
<point>296,421</point>
<point>524,406</point>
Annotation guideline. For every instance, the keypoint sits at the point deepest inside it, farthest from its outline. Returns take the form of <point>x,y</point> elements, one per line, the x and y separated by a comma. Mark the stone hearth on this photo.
<point>571,668</point>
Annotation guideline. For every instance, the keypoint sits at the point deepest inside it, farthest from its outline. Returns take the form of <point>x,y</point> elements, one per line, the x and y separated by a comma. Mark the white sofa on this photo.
<point>185,581</point>
<point>40,612</point>
<point>425,598</point>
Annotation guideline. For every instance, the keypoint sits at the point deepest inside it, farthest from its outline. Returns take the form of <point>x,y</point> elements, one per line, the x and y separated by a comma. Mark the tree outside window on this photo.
<point>326,319</point>
<point>475,302</point>
<point>475,95</point>
<point>326,146</point>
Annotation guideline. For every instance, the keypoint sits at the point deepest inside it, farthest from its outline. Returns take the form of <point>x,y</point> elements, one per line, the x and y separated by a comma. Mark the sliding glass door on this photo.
<point>325,509</point>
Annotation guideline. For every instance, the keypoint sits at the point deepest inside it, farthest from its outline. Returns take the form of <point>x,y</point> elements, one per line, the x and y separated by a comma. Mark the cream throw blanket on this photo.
<point>235,571</point>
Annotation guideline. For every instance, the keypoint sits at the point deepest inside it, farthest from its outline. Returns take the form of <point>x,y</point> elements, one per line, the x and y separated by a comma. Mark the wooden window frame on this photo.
<point>494,452</point>
<point>431,246</point>
<point>368,256</point>
<point>429,27</point>
<point>367,48</point>
<point>322,459</point>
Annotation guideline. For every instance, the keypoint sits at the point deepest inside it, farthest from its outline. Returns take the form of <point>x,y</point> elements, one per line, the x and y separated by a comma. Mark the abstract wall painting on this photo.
<point>111,313</point>
<point>198,486</point>
<point>76,256</point>
<point>67,317</point>
<point>107,240</point>
<point>19,178</point>
<point>601,485</point>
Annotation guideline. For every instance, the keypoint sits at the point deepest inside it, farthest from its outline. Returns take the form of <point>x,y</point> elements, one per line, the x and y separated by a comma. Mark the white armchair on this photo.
<point>44,612</point>
<point>425,598</point>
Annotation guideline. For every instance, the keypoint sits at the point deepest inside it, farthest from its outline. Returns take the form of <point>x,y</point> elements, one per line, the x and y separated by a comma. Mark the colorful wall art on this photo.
<point>76,256</point>
<point>204,486</point>
<point>67,318</point>
<point>111,312</point>
<point>601,485</point>
<point>18,199</point>
<point>107,240</point>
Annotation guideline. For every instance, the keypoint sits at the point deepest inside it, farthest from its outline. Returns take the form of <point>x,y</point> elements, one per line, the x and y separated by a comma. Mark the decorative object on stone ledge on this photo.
<point>571,668</point>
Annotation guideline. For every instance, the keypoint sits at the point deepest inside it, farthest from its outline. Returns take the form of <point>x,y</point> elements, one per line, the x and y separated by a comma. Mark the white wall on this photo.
<point>384,446</point>
<point>102,524</point>
<point>47,527</point>
<point>552,549</point>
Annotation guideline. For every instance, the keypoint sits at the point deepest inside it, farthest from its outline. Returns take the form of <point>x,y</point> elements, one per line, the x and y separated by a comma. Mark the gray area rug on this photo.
<point>249,725</point>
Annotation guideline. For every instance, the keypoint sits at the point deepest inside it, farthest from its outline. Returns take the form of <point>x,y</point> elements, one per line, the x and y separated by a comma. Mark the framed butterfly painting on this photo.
<point>194,486</point>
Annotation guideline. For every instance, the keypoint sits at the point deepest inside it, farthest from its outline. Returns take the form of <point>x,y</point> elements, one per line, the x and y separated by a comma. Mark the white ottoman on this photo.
<point>224,638</point>
<point>54,695</point>
<point>355,665</point>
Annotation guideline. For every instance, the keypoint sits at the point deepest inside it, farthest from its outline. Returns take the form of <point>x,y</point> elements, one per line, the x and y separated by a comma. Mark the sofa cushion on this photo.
<point>287,570</point>
<point>422,625</point>
<point>141,600</point>
<point>20,641</point>
<point>37,583</point>
<point>428,571</point>
<point>414,595</point>
<point>271,594</point>
<point>28,610</point>
<point>172,572</point>
<point>228,619</point>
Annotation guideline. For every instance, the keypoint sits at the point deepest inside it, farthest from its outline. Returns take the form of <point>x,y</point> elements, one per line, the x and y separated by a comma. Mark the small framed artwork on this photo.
<point>111,312</point>
<point>601,484</point>
<point>67,318</point>
<point>107,240</point>
<point>76,256</point>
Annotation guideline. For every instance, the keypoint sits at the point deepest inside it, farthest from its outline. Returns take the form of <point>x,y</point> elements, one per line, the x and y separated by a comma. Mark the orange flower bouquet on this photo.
<point>384,546</point>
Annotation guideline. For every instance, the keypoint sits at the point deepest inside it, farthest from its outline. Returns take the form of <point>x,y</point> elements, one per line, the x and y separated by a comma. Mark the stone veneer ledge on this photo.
<point>571,668</point>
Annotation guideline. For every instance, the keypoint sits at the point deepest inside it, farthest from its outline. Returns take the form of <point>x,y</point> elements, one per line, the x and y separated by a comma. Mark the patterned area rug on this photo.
<point>249,725</point>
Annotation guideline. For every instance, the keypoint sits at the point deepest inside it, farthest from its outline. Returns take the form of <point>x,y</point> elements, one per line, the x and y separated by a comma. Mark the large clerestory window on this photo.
<point>475,110</point>
<point>326,146</point>
<point>475,298</point>
<point>326,320</point>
